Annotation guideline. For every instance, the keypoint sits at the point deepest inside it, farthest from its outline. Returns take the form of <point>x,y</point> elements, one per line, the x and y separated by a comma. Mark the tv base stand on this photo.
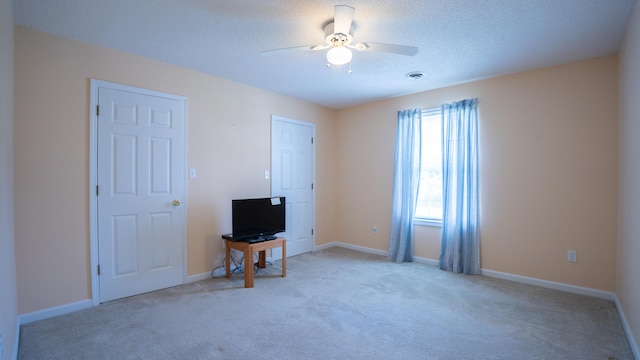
<point>248,249</point>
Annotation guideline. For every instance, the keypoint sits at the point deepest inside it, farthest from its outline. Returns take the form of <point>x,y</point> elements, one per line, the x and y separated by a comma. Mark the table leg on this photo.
<point>284,258</point>
<point>227,260</point>
<point>262,259</point>
<point>248,268</point>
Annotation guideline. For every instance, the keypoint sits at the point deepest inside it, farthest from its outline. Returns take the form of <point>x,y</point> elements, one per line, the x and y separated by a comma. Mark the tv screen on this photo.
<point>260,218</point>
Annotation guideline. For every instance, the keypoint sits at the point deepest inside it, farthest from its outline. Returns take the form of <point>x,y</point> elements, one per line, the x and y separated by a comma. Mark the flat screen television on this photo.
<point>257,219</point>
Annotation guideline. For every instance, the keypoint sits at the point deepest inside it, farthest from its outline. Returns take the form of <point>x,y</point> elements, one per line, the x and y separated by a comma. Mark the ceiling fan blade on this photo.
<point>293,49</point>
<point>388,48</point>
<point>342,19</point>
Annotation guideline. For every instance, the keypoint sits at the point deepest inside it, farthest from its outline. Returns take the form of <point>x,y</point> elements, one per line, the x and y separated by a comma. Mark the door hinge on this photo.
<point>97,110</point>
<point>311,140</point>
<point>311,186</point>
<point>311,231</point>
<point>96,190</point>
<point>98,269</point>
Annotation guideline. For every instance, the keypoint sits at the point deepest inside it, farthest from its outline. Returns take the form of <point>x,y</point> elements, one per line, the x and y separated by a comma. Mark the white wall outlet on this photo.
<point>374,229</point>
<point>266,174</point>
<point>571,256</point>
<point>193,173</point>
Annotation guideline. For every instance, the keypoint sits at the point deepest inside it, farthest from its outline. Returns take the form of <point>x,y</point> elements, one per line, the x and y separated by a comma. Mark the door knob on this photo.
<point>176,203</point>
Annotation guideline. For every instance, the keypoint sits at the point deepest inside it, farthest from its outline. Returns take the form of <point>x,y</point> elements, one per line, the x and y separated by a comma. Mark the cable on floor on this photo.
<point>237,266</point>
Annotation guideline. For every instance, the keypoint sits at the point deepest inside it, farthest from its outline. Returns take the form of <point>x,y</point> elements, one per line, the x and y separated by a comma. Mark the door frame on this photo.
<point>95,84</point>
<point>275,118</point>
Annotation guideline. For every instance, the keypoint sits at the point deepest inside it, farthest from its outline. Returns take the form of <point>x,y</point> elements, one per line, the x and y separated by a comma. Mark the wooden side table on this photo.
<point>248,250</point>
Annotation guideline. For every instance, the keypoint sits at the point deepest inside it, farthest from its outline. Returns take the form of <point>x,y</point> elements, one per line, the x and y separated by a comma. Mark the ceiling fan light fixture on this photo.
<point>339,55</point>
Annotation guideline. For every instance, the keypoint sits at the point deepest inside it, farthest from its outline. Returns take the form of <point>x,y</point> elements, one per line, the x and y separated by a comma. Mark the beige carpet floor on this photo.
<point>338,304</point>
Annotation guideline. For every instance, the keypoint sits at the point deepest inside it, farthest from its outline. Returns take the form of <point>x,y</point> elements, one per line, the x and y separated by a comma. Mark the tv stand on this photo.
<point>248,249</point>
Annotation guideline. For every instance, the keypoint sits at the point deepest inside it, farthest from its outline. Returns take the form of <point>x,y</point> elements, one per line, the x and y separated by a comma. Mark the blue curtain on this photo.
<point>460,239</point>
<point>406,178</point>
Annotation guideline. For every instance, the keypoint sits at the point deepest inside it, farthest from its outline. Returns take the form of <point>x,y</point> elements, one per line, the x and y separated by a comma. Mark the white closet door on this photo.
<point>293,176</point>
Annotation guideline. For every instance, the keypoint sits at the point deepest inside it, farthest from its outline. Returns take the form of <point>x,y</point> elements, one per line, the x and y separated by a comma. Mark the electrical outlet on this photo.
<point>374,229</point>
<point>571,256</point>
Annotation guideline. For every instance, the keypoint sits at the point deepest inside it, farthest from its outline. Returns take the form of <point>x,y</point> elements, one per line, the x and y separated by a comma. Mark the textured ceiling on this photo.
<point>458,40</point>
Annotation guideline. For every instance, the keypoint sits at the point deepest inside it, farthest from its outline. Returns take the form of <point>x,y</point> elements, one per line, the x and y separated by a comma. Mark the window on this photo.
<point>429,207</point>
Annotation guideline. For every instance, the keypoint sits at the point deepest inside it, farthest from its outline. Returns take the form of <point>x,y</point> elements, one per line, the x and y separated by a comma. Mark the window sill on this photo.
<point>427,222</point>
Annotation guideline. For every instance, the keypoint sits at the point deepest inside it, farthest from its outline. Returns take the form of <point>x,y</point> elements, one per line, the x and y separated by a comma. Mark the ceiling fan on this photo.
<point>339,40</point>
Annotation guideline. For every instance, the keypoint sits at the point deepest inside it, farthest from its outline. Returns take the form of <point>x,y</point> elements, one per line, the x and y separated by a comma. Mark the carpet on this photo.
<point>338,304</point>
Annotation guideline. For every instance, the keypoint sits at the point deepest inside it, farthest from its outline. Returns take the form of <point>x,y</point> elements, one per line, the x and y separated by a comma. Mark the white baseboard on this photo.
<point>54,311</point>
<point>427,261</point>
<point>197,277</point>
<point>325,246</point>
<point>627,329</point>
<point>368,250</point>
<point>365,249</point>
<point>550,284</point>
<point>222,272</point>
<point>217,273</point>
<point>352,247</point>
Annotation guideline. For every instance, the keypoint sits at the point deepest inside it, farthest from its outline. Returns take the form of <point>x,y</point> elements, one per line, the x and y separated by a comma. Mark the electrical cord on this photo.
<point>237,266</point>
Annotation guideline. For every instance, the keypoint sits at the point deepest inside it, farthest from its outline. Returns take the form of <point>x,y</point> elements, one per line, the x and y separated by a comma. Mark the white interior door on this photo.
<point>293,176</point>
<point>140,190</point>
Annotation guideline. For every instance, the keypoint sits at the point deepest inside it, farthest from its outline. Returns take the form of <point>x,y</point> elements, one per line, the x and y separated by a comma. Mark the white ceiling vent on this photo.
<point>416,75</point>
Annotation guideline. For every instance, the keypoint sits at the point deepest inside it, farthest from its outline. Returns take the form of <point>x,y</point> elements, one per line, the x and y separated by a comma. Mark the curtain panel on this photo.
<point>406,178</point>
<point>460,239</point>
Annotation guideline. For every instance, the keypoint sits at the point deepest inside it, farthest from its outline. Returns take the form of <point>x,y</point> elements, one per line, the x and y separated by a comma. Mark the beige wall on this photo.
<point>548,142</point>
<point>8,300</point>
<point>548,178</point>
<point>629,195</point>
<point>52,158</point>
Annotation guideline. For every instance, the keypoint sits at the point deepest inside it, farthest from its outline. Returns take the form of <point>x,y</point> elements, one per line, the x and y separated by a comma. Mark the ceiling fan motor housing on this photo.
<point>336,39</point>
